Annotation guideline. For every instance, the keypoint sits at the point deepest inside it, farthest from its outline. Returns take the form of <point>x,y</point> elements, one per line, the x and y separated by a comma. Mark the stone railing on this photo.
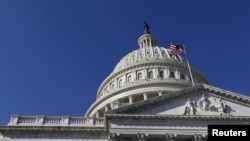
<point>56,121</point>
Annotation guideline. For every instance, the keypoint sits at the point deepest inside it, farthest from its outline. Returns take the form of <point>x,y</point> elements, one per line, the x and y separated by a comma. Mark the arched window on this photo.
<point>161,74</point>
<point>129,78</point>
<point>150,74</point>
<point>139,76</point>
<point>106,90</point>
<point>182,76</point>
<point>112,85</point>
<point>120,82</point>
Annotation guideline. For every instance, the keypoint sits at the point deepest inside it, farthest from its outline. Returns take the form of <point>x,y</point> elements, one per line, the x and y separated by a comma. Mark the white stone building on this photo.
<point>148,96</point>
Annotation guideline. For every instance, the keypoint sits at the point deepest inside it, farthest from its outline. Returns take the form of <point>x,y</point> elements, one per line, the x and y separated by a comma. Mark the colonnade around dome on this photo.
<point>141,82</point>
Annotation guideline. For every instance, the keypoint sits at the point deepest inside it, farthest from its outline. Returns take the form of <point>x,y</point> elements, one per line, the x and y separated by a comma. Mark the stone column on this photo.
<point>167,73</point>
<point>146,74</point>
<point>145,96</point>
<point>106,108</point>
<point>97,114</point>
<point>130,99</point>
<point>160,93</point>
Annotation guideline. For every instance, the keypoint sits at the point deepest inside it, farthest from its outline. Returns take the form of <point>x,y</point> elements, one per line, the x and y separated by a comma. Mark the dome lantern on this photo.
<point>147,39</point>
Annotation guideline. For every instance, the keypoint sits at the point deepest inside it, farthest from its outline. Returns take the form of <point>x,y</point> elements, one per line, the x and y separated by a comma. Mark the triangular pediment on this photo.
<point>198,100</point>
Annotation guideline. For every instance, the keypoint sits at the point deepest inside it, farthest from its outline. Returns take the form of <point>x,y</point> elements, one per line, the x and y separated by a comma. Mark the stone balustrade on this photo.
<point>56,121</point>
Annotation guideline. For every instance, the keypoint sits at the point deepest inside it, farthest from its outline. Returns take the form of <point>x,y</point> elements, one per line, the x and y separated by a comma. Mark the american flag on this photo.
<point>176,49</point>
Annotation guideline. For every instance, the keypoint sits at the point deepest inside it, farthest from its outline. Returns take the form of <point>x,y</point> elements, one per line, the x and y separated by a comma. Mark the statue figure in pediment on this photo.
<point>190,107</point>
<point>203,103</point>
<point>212,107</point>
<point>221,107</point>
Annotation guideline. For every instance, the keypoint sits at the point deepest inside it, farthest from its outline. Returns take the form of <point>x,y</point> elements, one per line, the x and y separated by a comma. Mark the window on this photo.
<point>161,74</point>
<point>120,82</point>
<point>106,90</point>
<point>139,76</point>
<point>182,76</point>
<point>112,85</point>
<point>172,74</point>
<point>129,78</point>
<point>150,74</point>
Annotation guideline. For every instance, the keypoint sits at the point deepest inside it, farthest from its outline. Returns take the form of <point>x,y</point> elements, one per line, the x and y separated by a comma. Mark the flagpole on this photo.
<point>188,66</point>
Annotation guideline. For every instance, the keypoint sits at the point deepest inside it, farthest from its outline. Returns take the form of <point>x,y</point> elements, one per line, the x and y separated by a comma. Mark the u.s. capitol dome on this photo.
<point>146,72</point>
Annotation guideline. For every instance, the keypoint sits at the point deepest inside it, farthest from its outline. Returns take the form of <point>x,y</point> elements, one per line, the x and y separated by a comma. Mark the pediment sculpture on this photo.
<point>203,104</point>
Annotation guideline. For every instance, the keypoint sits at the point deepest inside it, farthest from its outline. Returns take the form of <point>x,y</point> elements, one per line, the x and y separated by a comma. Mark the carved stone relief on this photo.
<point>190,107</point>
<point>156,52</point>
<point>133,57</point>
<point>203,104</point>
<point>140,54</point>
<point>163,53</point>
<point>148,52</point>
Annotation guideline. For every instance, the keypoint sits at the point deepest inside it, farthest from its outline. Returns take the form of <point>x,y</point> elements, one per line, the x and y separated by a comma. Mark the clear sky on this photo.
<point>54,54</point>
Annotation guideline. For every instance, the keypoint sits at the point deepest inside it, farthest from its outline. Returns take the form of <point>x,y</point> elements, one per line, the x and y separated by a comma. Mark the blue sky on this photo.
<point>54,54</point>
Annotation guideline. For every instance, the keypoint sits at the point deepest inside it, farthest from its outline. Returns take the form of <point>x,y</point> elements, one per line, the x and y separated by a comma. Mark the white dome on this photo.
<point>144,73</point>
<point>142,54</point>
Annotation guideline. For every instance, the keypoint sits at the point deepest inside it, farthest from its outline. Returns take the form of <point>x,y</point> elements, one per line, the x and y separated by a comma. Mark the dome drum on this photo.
<point>148,73</point>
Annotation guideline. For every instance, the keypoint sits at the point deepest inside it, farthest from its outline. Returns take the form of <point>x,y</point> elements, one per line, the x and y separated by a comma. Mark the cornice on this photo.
<point>232,96</point>
<point>178,117</point>
<point>181,120</point>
